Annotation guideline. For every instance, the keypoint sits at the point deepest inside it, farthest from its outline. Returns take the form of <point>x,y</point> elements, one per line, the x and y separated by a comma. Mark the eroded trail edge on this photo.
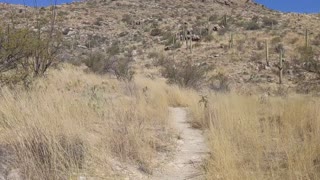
<point>190,153</point>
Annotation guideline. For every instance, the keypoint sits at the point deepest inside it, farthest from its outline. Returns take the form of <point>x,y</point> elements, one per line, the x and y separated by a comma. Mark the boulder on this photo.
<point>196,38</point>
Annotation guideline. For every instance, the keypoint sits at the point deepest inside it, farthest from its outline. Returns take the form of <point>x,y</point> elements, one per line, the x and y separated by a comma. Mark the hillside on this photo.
<point>126,27</point>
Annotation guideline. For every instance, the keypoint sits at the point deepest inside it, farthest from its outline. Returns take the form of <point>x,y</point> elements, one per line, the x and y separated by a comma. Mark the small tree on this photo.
<point>26,52</point>
<point>186,74</point>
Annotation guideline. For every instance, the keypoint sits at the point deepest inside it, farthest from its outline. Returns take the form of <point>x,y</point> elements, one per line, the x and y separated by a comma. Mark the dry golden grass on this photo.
<point>250,138</point>
<point>72,123</point>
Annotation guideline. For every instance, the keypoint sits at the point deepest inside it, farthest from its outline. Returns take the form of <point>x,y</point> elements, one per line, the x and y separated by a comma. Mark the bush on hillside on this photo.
<point>155,32</point>
<point>119,66</point>
<point>25,54</point>
<point>269,22</point>
<point>185,74</point>
<point>252,26</point>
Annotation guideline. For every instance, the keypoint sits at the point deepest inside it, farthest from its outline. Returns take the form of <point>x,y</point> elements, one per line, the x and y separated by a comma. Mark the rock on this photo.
<point>134,53</point>
<point>195,38</point>
<point>70,33</point>
<point>122,34</point>
<point>216,27</point>
<point>83,47</point>
<point>267,67</point>
<point>66,31</point>
<point>14,175</point>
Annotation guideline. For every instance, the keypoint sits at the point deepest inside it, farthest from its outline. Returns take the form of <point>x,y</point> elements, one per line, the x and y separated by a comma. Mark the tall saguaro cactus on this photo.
<point>280,67</point>
<point>231,41</point>
<point>225,21</point>
<point>190,46</point>
<point>209,27</point>
<point>267,52</point>
<point>306,36</point>
<point>185,36</point>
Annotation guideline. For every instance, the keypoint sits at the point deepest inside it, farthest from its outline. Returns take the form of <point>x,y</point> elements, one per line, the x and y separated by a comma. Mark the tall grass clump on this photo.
<point>251,138</point>
<point>71,124</point>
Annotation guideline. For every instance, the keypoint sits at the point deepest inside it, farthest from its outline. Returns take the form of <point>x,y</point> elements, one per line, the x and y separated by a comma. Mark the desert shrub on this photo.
<point>25,54</point>
<point>114,49</point>
<point>223,31</point>
<point>155,32</point>
<point>98,62</point>
<point>316,40</point>
<point>123,69</point>
<point>118,66</point>
<point>159,59</point>
<point>98,21</point>
<point>306,53</point>
<point>63,14</point>
<point>220,83</point>
<point>252,26</point>
<point>278,48</point>
<point>268,22</point>
<point>224,21</point>
<point>127,18</point>
<point>310,64</point>
<point>185,74</point>
<point>95,41</point>
<point>208,38</point>
<point>294,40</point>
<point>256,56</point>
<point>276,40</point>
<point>171,40</point>
<point>260,45</point>
<point>213,18</point>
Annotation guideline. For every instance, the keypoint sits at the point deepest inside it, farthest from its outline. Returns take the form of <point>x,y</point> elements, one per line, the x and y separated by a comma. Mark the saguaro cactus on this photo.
<point>267,52</point>
<point>190,42</point>
<point>225,21</point>
<point>209,27</point>
<point>280,67</point>
<point>185,36</point>
<point>231,41</point>
<point>307,37</point>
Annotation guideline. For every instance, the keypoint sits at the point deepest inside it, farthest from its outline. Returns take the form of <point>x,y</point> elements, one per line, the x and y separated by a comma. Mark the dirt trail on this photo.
<point>191,150</point>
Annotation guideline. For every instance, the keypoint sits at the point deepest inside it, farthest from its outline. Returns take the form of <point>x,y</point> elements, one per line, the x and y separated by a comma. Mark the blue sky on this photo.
<point>302,6</point>
<point>39,2</point>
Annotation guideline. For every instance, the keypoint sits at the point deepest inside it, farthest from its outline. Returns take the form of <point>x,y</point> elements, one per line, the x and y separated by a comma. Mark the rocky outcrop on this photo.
<point>233,2</point>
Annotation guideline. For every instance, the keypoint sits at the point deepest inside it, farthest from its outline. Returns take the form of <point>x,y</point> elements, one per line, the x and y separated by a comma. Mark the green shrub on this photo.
<point>185,74</point>
<point>220,83</point>
<point>213,18</point>
<point>306,53</point>
<point>118,66</point>
<point>252,26</point>
<point>127,19</point>
<point>25,53</point>
<point>316,40</point>
<point>114,49</point>
<point>208,38</point>
<point>268,22</point>
<point>155,32</point>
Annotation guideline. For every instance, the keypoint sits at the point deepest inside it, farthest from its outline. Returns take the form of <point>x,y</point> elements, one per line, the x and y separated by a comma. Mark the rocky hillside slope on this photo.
<point>228,36</point>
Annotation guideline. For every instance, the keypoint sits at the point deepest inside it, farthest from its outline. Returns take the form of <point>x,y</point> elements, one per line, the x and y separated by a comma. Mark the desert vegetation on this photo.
<point>75,126</point>
<point>260,138</point>
<point>87,90</point>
